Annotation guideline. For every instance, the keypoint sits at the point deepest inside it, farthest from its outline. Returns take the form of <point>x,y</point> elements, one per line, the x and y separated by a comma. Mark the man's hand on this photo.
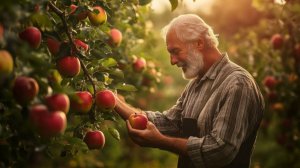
<point>150,137</point>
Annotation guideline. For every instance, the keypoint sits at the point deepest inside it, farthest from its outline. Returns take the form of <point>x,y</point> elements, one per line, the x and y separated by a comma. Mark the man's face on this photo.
<point>184,56</point>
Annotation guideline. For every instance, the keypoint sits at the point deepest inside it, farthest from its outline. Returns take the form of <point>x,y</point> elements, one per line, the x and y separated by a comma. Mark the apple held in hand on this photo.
<point>25,89</point>
<point>53,45</point>
<point>68,66</point>
<point>105,99</point>
<point>83,103</point>
<point>32,36</point>
<point>138,121</point>
<point>99,18</point>
<point>139,65</point>
<point>94,139</point>
<point>115,37</point>
<point>58,102</point>
<point>6,64</point>
<point>277,41</point>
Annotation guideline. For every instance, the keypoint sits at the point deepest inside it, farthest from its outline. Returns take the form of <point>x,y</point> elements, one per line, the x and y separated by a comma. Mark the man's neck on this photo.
<point>210,56</point>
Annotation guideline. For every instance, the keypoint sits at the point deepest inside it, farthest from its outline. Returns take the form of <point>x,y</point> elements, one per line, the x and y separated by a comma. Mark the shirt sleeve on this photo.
<point>169,121</point>
<point>234,121</point>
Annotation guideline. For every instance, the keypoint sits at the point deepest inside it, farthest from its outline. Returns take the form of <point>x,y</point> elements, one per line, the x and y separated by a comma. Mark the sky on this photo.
<point>158,6</point>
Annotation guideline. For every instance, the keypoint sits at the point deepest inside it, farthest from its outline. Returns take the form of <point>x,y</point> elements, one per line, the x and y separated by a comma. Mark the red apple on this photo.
<point>32,36</point>
<point>81,45</point>
<point>138,121</point>
<point>83,103</point>
<point>94,139</point>
<point>1,31</point>
<point>80,16</point>
<point>270,82</point>
<point>25,89</point>
<point>105,99</point>
<point>58,102</point>
<point>115,37</point>
<point>53,45</point>
<point>68,66</point>
<point>97,19</point>
<point>35,112</point>
<point>139,65</point>
<point>52,123</point>
<point>6,64</point>
<point>277,41</point>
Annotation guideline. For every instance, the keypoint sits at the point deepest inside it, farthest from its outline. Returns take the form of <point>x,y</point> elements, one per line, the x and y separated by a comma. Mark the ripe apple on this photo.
<point>68,66</point>
<point>270,81</point>
<point>32,36</point>
<point>25,89</point>
<point>53,45</point>
<point>97,19</point>
<point>115,37</point>
<point>94,139</point>
<point>35,112</point>
<point>80,16</point>
<point>83,103</point>
<point>52,123</point>
<point>1,31</point>
<point>58,102</point>
<point>105,99</point>
<point>138,121</point>
<point>81,45</point>
<point>6,64</point>
<point>139,65</point>
<point>277,41</point>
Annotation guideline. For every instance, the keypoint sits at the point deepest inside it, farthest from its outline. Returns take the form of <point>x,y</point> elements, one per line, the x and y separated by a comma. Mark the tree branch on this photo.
<point>62,16</point>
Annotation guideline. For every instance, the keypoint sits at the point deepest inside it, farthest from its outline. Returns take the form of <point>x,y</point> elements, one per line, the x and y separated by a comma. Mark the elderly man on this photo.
<point>215,120</point>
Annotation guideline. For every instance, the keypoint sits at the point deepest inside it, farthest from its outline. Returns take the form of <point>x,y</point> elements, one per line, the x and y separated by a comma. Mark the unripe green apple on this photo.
<point>32,36</point>
<point>6,64</point>
<point>58,102</point>
<point>82,103</point>
<point>139,65</point>
<point>115,37</point>
<point>138,121</point>
<point>97,19</point>
<point>53,45</point>
<point>80,16</point>
<point>94,139</point>
<point>25,89</point>
<point>105,99</point>
<point>68,66</point>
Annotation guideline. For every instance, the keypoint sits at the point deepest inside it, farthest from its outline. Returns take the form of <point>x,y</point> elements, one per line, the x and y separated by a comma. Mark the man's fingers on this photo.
<point>131,130</point>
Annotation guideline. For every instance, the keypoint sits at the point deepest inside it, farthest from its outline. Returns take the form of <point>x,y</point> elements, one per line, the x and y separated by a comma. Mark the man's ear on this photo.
<point>200,44</point>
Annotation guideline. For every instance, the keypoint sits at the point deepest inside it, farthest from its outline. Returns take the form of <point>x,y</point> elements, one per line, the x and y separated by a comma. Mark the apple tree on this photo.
<point>61,63</point>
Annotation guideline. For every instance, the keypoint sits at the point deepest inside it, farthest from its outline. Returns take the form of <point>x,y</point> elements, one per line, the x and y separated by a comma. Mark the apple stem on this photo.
<point>62,16</point>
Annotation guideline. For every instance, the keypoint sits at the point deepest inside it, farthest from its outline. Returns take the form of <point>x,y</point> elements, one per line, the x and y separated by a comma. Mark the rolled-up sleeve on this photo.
<point>236,118</point>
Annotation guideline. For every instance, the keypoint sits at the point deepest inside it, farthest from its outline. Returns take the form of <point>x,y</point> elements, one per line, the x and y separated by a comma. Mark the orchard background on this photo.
<point>70,48</point>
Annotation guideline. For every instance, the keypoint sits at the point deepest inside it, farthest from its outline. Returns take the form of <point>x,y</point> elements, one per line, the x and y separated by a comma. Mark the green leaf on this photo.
<point>108,62</point>
<point>117,72</point>
<point>144,2</point>
<point>174,4</point>
<point>126,87</point>
<point>115,133</point>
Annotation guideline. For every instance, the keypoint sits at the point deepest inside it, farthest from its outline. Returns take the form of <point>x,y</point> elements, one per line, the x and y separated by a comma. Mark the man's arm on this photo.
<point>151,137</point>
<point>124,109</point>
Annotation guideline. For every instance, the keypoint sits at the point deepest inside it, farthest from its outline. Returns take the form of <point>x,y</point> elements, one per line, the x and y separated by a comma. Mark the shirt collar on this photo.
<point>214,70</point>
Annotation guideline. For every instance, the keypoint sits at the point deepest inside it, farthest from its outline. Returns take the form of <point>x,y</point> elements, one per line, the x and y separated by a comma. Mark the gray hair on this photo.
<point>189,28</point>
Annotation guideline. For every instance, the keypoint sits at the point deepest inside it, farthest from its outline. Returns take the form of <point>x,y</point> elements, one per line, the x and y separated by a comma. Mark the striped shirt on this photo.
<point>227,122</point>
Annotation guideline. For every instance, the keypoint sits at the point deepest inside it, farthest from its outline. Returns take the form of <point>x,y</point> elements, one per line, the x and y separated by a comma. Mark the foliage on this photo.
<point>103,66</point>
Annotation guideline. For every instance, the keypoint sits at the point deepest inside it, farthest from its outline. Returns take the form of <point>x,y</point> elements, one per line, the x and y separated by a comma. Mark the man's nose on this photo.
<point>173,60</point>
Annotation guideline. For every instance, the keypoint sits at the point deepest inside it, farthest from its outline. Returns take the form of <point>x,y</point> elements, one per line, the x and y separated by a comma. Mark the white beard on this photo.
<point>193,65</point>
